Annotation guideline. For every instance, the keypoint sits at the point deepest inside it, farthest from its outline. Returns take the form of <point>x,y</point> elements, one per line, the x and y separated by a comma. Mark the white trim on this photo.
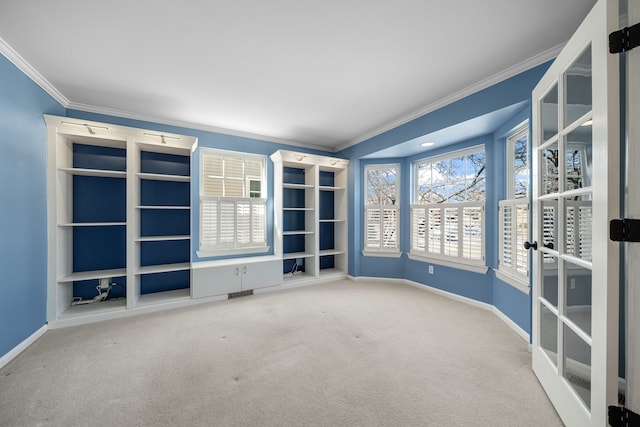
<point>523,66</point>
<point>17,60</point>
<point>397,168</point>
<point>233,261</point>
<point>15,351</point>
<point>382,254</point>
<point>513,281</point>
<point>463,264</point>
<point>236,251</point>
<point>469,301</point>
<point>185,301</point>
<point>513,325</point>
<point>450,295</point>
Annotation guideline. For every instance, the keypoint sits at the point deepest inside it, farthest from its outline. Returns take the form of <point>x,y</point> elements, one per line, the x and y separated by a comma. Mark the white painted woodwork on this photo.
<point>633,211</point>
<point>211,278</point>
<point>605,192</point>
<point>62,133</point>
<point>312,165</point>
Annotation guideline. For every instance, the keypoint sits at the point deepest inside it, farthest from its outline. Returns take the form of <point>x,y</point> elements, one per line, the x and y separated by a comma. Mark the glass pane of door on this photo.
<point>577,84</point>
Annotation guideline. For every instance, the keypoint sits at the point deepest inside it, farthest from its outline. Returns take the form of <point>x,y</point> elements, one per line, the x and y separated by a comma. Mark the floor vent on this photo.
<point>586,384</point>
<point>241,294</point>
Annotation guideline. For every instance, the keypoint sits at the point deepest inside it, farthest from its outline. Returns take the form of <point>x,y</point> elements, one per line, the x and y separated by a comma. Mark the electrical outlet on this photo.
<point>431,269</point>
<point>573,283</point>
<point>104,283</point>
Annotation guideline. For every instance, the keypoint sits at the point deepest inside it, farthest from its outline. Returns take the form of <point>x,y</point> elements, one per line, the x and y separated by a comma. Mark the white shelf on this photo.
<point>297,186</point>
<point>325,272</point>
<point>298,209</point>
<point>99,307</point>
<point>94,172</point>
<point>331,220</point>
<point>162,177</point>
<point>164,207</point>
<point>297,277</point>
<point>163,268</point>
<point>164,297</point>
<point>296,255</point>
<point>296,232</point>
<point>92,224</point>
<point>329,188</point>
<point>94,274</point>
<point>330,252</point>
<point>161,238</point>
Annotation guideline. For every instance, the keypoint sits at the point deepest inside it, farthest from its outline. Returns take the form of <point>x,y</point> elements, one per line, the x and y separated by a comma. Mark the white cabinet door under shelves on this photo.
<point>225,277</point>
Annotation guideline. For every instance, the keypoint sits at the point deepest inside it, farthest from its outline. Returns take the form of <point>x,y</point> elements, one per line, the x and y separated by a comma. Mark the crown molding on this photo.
<point>534,61</point>
<point>17,60</point>
<point>191,125</point>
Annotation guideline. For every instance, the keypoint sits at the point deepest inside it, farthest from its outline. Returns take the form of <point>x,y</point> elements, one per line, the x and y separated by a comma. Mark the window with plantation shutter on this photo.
<point>513,258</point>
<point>448,214</point>
<point>382,210</point>
<point>233,203</point>
<point>514,231</point>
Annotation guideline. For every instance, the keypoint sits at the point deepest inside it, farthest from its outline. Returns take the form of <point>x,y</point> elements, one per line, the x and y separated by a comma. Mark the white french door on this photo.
<point>576,191</point>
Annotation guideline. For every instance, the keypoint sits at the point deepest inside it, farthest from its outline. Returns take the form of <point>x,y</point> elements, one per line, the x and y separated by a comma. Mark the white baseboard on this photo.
<point>513,325</point>
<point>14,352</point>
<point>469,301</point>
<point>450,295</point>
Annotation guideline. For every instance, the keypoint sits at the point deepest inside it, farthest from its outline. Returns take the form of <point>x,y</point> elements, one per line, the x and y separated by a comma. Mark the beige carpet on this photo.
<point>338,354</point>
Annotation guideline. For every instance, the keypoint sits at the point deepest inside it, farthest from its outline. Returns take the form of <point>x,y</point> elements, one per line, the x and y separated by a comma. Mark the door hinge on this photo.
<point>624,39</point>
<point>620,416</point>
<point>624,230</point>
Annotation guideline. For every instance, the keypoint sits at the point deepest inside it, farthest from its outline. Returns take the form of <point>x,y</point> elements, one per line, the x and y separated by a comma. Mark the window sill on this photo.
<point>460,265</point>
<point>382,254</point>
<point>205,253</point>
<point>516,282</point>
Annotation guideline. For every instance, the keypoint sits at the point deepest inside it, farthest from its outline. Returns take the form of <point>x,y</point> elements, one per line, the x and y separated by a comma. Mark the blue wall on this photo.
<point>482,287</point>
<point>23,217</point>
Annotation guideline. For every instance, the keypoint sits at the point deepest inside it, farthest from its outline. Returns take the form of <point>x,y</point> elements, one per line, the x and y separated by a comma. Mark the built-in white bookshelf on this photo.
<point>310,202</point>
<point>105,217</point>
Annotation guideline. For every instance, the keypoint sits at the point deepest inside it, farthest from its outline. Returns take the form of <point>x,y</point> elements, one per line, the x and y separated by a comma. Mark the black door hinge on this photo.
<point>624,39</point>
<point>620,416</point>
<point>624,230</point>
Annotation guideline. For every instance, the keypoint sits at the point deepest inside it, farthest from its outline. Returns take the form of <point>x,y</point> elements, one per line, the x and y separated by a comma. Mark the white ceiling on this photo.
<point>319,73</point>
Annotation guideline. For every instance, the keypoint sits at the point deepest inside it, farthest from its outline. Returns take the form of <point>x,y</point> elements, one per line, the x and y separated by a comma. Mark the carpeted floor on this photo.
<point>337,354</point>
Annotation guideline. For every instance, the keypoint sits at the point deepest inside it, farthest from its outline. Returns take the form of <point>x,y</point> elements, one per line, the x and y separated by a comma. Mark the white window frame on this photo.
<point>382,250</point>
<point>422,250</point>
<point>512,257</point>
<point>227,212</point>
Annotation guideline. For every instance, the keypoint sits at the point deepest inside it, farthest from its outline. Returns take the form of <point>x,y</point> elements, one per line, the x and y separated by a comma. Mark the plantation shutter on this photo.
<point>514,231</point>
<point>390,228</point>
<point>373,226</point>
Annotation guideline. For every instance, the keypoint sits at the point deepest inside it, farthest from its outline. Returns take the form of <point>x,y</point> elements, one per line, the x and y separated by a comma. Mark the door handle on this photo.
<point>533,245</point>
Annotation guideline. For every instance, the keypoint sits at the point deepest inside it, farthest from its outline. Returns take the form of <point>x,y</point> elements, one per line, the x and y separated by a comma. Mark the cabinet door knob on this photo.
<point>244,270</point>
<point>237,271</point>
